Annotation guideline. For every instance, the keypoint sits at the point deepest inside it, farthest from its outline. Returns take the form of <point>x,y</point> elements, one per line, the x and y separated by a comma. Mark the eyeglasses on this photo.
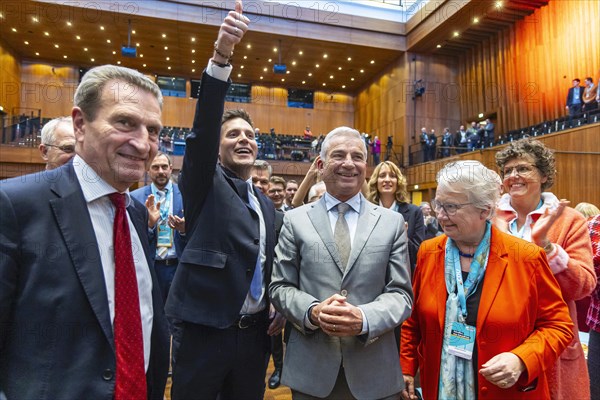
<point>65,148</point>
<point>522,169</point>
<point>449,208</point>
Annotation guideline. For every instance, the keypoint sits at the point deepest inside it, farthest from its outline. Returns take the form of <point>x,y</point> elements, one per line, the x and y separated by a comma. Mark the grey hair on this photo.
<point>262,165</point>
<point>50,127</point>
<point>88,95</point>
<point>481,184</point>
<point>312,192</point>
<point>341,131</point>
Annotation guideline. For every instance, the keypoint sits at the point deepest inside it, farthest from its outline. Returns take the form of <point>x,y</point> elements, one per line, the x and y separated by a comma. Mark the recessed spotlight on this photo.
<point>330,76</point>
<point>34,19</point>
<point>166,47</point>
<point>164,35</point>
<point>78,37</point>
<point>498,4</point>
<point>239,75</point>
<point>46,33</point>
<point>293,62</point>
<point>85,49</point>
<point>137,45</point>
<point>362,71</point>
<point>275,49</point>
<point>270,60</point>
<point>193,69</point>
<point>141,56</point>
<point>261,77</point>
<point>69,23</point>
<point>287,72</point>
<point>343,86</point>
<point>92,59</point>
<point>1,16</point>
<point>248,46</point>
<point>56,46</point>
<point>475,20</point>
<point>133,32</point>
<point>372,61</point>
<point>143,65</point>
<point>456,34</point>
<point>265,69</point>
<point>324,84</point>
<point>310,74</point>
<point>14,29</point>
<point>119,62</point>
<point>245,57</point>
<point>168,58</point>
<point>114,52</point>
<point>65,56</point>
<point>352,79</point>
<point>169,67</point>
<point>317,65</point>
<point>282,79</point>
<point>26,42</point>
<point>193,61</point>
<point>107,40</point>
<point>37,54</point>
<point>193,51</point>
<point>349,58</point>
<point>339,68</point>
<point>300,52</point>
<point>304,82</point>
<point>325,55</point>
<point>101,28</point>
<point>241,67</point>
<point>193,39</point>
<point>439,46</point>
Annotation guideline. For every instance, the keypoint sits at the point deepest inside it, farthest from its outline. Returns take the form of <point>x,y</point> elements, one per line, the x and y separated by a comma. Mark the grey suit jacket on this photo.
<point>307,269</point>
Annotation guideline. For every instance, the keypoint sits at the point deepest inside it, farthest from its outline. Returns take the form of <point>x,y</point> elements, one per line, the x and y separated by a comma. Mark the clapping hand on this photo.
<point>153,208</point>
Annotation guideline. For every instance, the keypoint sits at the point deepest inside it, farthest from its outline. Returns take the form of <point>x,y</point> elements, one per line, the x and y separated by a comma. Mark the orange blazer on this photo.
<point>521,311</point>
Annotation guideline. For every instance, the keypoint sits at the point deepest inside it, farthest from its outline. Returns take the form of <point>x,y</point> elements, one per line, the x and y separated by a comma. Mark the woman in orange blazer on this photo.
<point>512,304</point>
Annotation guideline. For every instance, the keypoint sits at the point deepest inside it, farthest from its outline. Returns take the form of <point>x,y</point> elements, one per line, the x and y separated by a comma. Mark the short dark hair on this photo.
<point>589,78</point>
<point>168,157</point>
<point>577,80</point>
<point>238,113</point>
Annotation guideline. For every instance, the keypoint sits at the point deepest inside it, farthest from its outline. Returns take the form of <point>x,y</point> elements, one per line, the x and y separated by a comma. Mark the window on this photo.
<point>171,86</point>
<point>300,98</point>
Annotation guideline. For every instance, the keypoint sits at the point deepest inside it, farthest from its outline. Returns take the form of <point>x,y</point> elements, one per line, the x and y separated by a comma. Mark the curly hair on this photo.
<point>401,194</point>
<point>543,158</point>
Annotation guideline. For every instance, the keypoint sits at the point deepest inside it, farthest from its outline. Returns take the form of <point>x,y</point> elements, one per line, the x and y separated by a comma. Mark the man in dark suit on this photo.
<point>166,223</point>
<point>221,344</point>
<point>575,100</point>
<point>80,310</point>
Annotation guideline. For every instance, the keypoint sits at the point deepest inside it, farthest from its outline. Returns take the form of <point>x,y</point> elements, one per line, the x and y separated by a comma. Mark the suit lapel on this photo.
<point>367,219</point>
<point>73,220</point>
<point>320,220</point>
<point>493,277</point>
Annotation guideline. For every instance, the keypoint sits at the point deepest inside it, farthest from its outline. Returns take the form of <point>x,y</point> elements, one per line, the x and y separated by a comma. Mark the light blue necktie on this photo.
<point>256,284</point>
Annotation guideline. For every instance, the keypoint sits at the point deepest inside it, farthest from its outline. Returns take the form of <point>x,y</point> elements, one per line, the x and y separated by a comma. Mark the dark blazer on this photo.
<point>56,338</point>
<point>142,194</point>
<point>217,264</point>
<point>571,94</point>
<point>416,229</point>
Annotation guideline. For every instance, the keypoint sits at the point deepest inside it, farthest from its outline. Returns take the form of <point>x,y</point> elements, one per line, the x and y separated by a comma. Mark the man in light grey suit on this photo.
<point>343,279</point>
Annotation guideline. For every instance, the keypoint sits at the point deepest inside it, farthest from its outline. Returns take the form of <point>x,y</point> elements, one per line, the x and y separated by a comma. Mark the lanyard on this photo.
<point>165,206</point>
<point>461,287</point>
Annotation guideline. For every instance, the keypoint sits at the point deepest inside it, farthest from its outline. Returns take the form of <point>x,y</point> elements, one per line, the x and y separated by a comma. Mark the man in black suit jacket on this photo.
<point>221,344</point>
<point>59,299</point>
<point>575,99</point>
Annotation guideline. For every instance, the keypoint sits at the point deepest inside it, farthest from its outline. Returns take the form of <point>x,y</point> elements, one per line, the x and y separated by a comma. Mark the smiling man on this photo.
<point>219,294</point>
<point>89,322</point>
<point>342,278</point>
<point>58,142</point>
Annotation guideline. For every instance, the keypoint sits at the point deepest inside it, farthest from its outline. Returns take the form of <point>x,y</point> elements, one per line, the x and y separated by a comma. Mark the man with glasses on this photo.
<point>58,142</point>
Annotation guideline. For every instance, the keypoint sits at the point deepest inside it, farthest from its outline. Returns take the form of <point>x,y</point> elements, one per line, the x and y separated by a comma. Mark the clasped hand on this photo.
<point>336,317</point>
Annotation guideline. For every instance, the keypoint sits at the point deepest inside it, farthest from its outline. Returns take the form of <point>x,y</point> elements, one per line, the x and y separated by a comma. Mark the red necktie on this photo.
<point>129,343</point>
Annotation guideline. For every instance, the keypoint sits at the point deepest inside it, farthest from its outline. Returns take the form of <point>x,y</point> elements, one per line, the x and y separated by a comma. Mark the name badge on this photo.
<point>462,340</point>
<point>165,235</point>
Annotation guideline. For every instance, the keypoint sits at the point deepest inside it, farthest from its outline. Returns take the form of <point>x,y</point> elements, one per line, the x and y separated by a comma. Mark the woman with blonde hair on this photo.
<point>387,187</point>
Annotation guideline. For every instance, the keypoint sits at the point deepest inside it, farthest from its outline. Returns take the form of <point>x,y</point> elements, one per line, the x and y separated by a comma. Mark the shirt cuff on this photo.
<point>558,259</point>
<point>307,323</point>
<point>365,324</point>
<point>220,73</point>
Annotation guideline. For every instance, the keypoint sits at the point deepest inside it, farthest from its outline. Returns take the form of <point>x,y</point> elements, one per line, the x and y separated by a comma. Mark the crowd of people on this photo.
<point>105,291</point>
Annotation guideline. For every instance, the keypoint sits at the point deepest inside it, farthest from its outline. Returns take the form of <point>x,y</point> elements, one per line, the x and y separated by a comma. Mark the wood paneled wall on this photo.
<point>524,72</point>
<point>10,78</point>
<point>577,154</point>
<point>386,106</point>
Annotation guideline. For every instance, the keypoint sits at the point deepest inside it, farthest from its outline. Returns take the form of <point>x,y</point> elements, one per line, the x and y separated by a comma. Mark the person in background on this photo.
<point>261,173</point>
<point>311,178</point>
<point>462,139</point>
<point>589,95</point>
<point>593,314</point>
<point>472,136</point>
<point>316,192</point>
<point>307,133</point>
<point>166,223</point>
<point>588,210</point>
<point>488,318</point>
<point>57,146</point>
<point>447,142</point>
<point>291,187</point>
<point>488,133</point>
<point>376,150</point>
<point>424,140</point>
<point>276,192</point>
<point>574,100</point>
<point>432,228</point>
<point>431,145</point>
<point>527,210</point>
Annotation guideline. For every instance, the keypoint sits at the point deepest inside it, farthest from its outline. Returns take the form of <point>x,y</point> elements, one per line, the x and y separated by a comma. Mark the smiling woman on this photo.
<point>528,211</point>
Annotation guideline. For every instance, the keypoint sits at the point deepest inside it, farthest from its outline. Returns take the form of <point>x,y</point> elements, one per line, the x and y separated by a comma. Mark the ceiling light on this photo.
<point>69,23</point>
<point>372,61</point>
<point>141,56</point>
<point>261,77</point>
<point>93,59</point>
<point>56,46</point>
<point>303,82</point>
<point>85,49</point>
<point>324,84</point>
<point>164,35</point>
<point>193,39</point>
<point>343,86</point>
<point>37,54</point>
<point>456,34</point>
<point>133,32</point>
<point>439,46</point>
<point>282,79</point>
<point>362,71</point>
<point>193,61</point>
<point>78,37</point>
<point>265,69</point>
<point>310,74</point>
<point>293,62</point>
<point>300,52</point>
<point>46,33</point>
<point>339,68</point>
<point>330,76</point>
<point>325,55</point>
<point>349,58</point>
<point>248,46</point>
<point>1,15</point>
<point>241,67</point>
<point>245,57</point>
<point>143,65</point>
<point>317,65</point>
<point>193,69</point>
<point>287,72</point>
<point>65,56</point>
<point>270,59</point>
<point>34,19</point>
<point>275,49</point>
<point>168,58</point>
<point>14,29</point>
<point>101,28</point>
<point>239,75</point>
<point>119,62</point>
<point>169,68</point>
<point>498,4</point>
<point>193,51</point>
<point>475,20</point>
<point>352,79</point>
<point>26,42</point>
<point>137,45</point>
<point>114,52</point>
<point>166,47</point>
<point>107,40</point>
